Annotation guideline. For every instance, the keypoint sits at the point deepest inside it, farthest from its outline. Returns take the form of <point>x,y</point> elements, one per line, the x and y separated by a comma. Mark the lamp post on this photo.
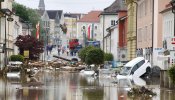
<point>28,24</point>
<point>173,11</point>
<point>84,35</point>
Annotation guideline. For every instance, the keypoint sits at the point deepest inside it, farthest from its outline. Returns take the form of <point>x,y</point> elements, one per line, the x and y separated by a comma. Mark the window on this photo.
<point>123,1</point>
<point>151,5</point>
<point>145,6</point>
<point>134,69</point>
<point>95,27</point>
<point>146,33</point>
<point>141,63</point>
<point>150,37</point>
<point>113,22</point>
<point>83,27</point>
<point>139,35</point>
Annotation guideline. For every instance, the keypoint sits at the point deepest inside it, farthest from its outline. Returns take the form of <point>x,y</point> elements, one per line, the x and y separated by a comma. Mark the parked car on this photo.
<point>135,68</point>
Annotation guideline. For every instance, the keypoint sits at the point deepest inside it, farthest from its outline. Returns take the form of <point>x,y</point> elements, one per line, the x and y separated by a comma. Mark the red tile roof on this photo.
<point>91,17</point>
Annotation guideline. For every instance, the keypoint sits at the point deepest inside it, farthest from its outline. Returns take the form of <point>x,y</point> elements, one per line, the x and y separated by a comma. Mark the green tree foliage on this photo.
<point>30,43</point>
<point>171,73</point>
<point>83,52</point>
<point>28,15</point>
<point>108,57</point>
<point>17,58</point>
<point>21,11</point>
<point>94,56</point>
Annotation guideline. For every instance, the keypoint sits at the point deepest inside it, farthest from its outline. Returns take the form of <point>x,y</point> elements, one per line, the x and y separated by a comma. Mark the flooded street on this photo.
<point>51,85</point>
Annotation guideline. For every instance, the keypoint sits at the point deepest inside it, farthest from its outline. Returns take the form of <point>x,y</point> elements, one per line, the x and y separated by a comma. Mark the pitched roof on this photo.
<point>91,17</point>
<point>52,13</point>
<point>115,7</point>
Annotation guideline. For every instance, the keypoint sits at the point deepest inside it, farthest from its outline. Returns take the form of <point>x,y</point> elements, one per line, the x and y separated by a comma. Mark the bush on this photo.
<point>94,56</point>
<point>108,57</point>
<point>17,58</point>
<point>83,52</point>
<point>171,73</point>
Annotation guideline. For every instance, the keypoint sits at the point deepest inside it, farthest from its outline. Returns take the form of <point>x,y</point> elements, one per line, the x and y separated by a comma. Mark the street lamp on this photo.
<point>6,13</point>
<point>28,24</point>
<point>84,35</point>
<point>173,11</point>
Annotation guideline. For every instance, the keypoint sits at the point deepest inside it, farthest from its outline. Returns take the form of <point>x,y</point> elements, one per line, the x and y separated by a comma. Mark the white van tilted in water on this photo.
<point>135,68</point>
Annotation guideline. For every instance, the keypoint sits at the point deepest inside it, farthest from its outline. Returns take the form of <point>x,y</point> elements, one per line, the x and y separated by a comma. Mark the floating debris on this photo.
<point>141,92</point>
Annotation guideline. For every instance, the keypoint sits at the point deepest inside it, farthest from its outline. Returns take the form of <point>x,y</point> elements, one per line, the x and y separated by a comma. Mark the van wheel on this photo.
<point>148,72</point>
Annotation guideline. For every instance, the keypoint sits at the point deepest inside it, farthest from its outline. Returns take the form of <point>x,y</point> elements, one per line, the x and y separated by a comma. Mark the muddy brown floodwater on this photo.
<point>56,85</point>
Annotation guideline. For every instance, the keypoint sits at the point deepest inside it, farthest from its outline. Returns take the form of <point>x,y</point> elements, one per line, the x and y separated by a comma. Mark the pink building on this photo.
<point>149,30</point>
<point>145,28</point>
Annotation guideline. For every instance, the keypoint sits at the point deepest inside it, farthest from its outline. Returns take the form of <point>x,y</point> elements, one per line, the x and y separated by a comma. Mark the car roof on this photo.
<point>134,61</point>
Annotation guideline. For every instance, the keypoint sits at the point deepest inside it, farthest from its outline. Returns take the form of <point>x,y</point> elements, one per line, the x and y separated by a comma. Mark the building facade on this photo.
<point>167,56</point>
<point>6,35</point>
<point>131,31</point>
<point>122,42</point>
<point>88,27</point>
<point>70,19</point>
<point>144,29</point>
<point>112,32</point>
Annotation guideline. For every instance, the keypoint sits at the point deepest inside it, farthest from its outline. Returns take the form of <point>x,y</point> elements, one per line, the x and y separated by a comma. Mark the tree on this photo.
<point>83,52</point>
<point>17,58</point>
<point>171,72</point>
<point>27,14</point>
<point>30,43</point>
<point>94,56</point>
<point>108,57</point>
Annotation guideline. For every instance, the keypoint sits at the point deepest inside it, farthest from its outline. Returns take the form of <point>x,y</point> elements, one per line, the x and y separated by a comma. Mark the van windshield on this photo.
<point>125,70</point>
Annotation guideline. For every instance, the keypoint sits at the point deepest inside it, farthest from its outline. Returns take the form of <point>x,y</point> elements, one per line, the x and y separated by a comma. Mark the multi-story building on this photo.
<point>6,28</point>
<point>89,27</point>
<point>51,21</point>
<point>55,19</point>
<point>110,21</point>
<point>167,58</point>
<point>144,29</point>
<point>70,19</point>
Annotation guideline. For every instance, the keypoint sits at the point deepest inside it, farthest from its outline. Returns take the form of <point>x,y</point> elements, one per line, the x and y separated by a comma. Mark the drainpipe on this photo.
<point>103,31</point>
<point>110,41</point>
<point>152,30</point>
<point>136,23</point>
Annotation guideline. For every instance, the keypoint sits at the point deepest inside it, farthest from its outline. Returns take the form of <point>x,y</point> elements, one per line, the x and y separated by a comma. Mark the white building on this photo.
<point>89,27</point>
<point>168,39</point>
<point>6,29</point>
<point>109,28</point>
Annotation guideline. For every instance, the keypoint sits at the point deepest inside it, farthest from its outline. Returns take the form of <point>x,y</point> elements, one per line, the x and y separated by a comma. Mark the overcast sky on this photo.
<point>73,6</point>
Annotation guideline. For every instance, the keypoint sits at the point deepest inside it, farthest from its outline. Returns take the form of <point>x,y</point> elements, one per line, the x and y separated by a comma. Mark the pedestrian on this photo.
<point>59,49</point>
<point>67,52</point>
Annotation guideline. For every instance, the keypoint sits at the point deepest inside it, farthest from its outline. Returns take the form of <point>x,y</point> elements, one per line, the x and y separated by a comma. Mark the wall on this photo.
<point>131,32</point>
<point>106,24</point>
<point>80,25</point>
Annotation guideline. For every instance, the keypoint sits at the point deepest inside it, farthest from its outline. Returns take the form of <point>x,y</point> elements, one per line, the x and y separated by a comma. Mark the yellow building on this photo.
<point>131,31</point>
